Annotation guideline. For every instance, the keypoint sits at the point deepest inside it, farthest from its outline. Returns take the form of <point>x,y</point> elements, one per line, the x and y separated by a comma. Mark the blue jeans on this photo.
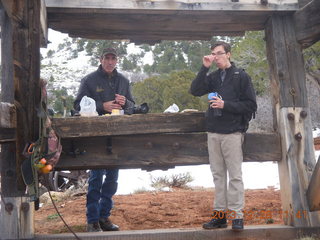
<point>99,197</point>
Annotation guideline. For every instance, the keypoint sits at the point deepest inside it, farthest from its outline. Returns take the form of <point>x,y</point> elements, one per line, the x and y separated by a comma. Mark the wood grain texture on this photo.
<point>76,127</point>
<point>296,167</point>
<point>292,118</point>
<point>153,21</point>
<point>8,118</point>
<point>313,193</point>
<point>286,63</point>
<point>157,151</point>
<point>307,23</point>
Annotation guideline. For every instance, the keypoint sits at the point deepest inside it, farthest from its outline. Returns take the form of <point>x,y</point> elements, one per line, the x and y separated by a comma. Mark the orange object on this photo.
<point>46,168</point>
<point>43,161</point>
<point>30,148</point>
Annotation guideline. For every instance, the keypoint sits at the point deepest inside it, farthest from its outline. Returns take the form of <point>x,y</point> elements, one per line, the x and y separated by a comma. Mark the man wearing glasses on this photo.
<point>231,97</point>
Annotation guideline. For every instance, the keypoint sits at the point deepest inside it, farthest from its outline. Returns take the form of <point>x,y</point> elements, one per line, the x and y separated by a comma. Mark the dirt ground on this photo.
<point>155,210</point>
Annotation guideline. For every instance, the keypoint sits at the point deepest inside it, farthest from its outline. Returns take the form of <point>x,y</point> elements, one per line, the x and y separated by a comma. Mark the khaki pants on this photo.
<point>225,155</point>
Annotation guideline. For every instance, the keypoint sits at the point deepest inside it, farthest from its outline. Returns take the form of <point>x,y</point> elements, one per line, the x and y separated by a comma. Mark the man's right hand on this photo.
<point>108,106</point>
<point>207,60</point>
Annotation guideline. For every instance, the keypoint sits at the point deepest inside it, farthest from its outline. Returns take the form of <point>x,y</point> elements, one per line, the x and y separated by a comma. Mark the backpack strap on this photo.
<point>236,81</point>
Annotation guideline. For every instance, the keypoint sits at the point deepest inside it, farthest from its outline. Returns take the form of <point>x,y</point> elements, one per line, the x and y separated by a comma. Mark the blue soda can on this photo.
<point>212,94</point>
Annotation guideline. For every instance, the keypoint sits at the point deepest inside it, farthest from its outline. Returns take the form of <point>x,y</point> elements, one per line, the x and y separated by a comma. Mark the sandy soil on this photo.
<point>154,210</point>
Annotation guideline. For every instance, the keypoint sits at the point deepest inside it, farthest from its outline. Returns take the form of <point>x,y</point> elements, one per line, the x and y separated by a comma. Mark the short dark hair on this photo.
<point>225,45</point>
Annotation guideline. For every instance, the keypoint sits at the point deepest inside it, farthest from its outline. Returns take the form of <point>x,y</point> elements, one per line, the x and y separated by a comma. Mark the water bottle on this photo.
<point>216,111</point>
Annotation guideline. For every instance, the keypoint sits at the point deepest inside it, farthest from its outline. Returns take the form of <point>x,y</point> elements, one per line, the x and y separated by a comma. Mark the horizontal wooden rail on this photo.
<point>76,127</point>
<point>156,151</point>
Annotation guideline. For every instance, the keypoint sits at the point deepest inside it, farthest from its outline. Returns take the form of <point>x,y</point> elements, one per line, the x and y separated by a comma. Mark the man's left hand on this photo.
<point>120,99</point>
<point>216,103</point>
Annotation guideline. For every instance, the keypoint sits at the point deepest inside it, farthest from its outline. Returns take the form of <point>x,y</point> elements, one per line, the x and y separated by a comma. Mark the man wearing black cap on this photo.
<point>110,90</point>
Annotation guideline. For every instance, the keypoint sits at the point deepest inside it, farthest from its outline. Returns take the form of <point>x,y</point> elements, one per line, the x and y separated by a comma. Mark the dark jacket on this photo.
<point>236,101</point>
<point>102,88</point>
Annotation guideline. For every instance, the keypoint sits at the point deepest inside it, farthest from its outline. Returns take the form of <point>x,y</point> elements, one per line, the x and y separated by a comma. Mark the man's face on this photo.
<point>220,57</point>
<point>109,62</point>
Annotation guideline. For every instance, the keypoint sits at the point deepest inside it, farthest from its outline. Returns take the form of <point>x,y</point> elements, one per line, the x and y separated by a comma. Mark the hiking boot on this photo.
<point>218,221</point>
<point>237,224</point>
<point>93,227</point>
<point>107,225</point>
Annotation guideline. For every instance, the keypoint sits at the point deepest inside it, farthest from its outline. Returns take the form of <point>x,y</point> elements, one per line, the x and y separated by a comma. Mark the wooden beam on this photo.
<point>7,153</point>
<point>286,68</point>
<point>8,5</point>
<point>14,10</point>
<point>133,26</point>
<point>8,117</point>
<point>20,216</point>
<point>307,24</point>
<point>313,192</point>
<point>269,231</point>
<point>76,127</point>
<point>154,20</point>
<point>292,119</point>
<point>176,4</point>
<point>20,59</point>
<point>156,151</point>
<point>7,135</point>
<point>43,24</point>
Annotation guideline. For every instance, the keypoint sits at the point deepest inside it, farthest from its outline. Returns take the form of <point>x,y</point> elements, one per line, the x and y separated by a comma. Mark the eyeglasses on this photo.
<point>218,54</point>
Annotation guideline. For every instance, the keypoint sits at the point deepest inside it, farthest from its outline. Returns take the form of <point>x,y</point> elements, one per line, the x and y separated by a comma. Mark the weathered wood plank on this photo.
<point>8,117</point>
<point>307,24</point>
<point>298,163</point>
<point>21,215</point>
<point>147,21</point>
<point>14,9</point>
<point>174,5</point>
<point>76,127</point>
<point>20,49</point>
<point>292,118</point>
<point>269,231</point>
<point>26,61</point>
<point>8,165</point>
<point>7,6</point>
<point>313,192</point>
<point>43,24</point>
<point>151,37</point>
<point>158,27</point>
<point>7,135</point>
<point>157,151</point>
<point>287,67</point>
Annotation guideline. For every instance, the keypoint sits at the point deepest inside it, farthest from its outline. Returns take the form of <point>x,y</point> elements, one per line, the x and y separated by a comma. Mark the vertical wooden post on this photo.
<point>20,79</point>
<point>292,121</point>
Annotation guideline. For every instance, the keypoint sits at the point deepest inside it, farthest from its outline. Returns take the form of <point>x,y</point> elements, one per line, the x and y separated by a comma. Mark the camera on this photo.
<point>143,108</point>
<point>216,111</point>
<point>137,109</point>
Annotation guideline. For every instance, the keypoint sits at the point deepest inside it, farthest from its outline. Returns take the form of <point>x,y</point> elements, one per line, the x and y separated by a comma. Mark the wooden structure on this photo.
<point>290,25</point>
<point>153,141</point>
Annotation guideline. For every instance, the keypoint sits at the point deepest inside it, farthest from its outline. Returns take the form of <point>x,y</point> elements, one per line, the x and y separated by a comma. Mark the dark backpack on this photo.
<point>246,117</point>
